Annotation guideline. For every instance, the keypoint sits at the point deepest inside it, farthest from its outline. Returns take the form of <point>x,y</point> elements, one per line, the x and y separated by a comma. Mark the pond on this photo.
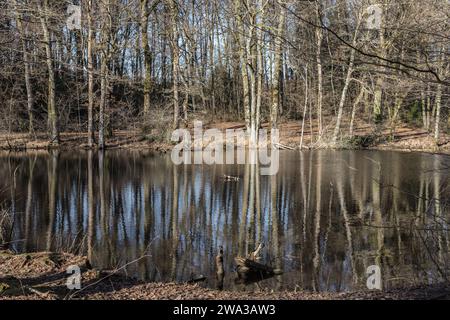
<point>324,218</point>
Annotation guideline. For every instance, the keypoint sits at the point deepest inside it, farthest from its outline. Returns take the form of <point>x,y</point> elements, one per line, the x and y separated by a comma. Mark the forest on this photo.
<point>330,66</point>
<point>89,90</point>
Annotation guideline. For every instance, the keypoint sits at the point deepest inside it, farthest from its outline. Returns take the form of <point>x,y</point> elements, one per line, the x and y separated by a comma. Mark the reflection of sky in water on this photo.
<point>317,234</point>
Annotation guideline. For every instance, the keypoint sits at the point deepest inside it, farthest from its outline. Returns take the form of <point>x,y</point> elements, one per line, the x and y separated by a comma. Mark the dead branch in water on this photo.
<point>249,270</point>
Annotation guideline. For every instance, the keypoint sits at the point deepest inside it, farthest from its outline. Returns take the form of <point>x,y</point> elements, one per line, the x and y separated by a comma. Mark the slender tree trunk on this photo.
<point>90,44</point>
<point>211,64</point>
<point>319,38</point>
<point>147,58</point>
<point>51,109</point>
<point>103,100</point>
<point>442,72</point>
<point>428,108</point>
<point>277,69</point>
<point>423,106</point>
<point>243,62</point>
<point>105,55</point>
<point>438,112</point>
<point>305,108</point>
<point>26,63</point>
<point>251,64</point>
<point>175,63</point>
<point>378,94</point>
<point>337,128</point>
<point>354,109</point>
<point>260,64</point>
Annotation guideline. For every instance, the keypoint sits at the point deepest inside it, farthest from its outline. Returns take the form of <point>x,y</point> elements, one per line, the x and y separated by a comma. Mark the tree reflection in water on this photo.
<point>325,217</point>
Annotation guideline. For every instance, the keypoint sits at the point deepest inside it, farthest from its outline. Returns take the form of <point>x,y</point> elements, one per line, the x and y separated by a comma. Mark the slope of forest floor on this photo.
<point>405,137</point>
<point>42,276</point>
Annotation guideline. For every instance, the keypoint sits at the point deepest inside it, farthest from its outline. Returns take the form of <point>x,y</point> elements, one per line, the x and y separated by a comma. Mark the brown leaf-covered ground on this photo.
<point>42,276</point>
<point>405,137</point>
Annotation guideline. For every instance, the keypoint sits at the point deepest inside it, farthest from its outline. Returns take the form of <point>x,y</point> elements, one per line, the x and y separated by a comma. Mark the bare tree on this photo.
<point>51,102</point>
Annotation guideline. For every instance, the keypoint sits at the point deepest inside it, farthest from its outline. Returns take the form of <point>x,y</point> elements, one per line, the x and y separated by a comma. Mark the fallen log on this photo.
<point>249,270</point>
<point>283,146</point>
<point>197,279</point>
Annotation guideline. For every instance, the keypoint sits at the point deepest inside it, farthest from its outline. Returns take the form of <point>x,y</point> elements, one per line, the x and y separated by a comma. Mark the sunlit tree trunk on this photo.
<point>26,64</point>
<point>378,94</point>
<point>51,103</point>
<point>173,11</point>
<point>346,84</point>
<point>277,68</point>
<point>355,109</point>
<point>147,58</point>
<point>243,61</point>
<point>437,130</point>
<point>305,108</point>
<point>343,98</point>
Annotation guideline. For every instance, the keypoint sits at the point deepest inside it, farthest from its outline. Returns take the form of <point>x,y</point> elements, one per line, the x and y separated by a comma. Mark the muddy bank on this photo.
<point>42,276</point>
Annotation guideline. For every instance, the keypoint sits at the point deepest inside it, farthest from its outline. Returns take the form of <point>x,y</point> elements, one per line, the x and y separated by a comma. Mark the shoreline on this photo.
<point>407,139</point>
<point>42,276</point>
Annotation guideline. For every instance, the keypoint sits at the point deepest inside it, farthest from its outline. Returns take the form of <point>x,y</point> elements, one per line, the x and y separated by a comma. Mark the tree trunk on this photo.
<point>277,69</point>
<point>354,109</point>
<point>243,62</point>
<point>103,98</point>
<point>51,109</point>
<point>90,45</point>
<point>305,108</point>
<point>438,113</point>
<point>175,63</point>
<point>319,38</point>
<point>347,83</point>
<point>147,59</point>
<point>378,94</point>
<point>26,63</point>
<point>105,55</point>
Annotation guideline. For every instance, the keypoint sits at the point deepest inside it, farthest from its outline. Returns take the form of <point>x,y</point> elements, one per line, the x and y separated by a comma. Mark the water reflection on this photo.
<point>324,218</point>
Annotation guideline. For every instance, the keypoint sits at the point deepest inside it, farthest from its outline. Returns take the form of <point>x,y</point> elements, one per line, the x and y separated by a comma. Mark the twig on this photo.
<point>109,275</point>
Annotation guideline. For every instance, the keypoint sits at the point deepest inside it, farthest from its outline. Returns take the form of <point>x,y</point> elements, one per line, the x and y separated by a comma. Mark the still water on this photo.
<point>324,218</point>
